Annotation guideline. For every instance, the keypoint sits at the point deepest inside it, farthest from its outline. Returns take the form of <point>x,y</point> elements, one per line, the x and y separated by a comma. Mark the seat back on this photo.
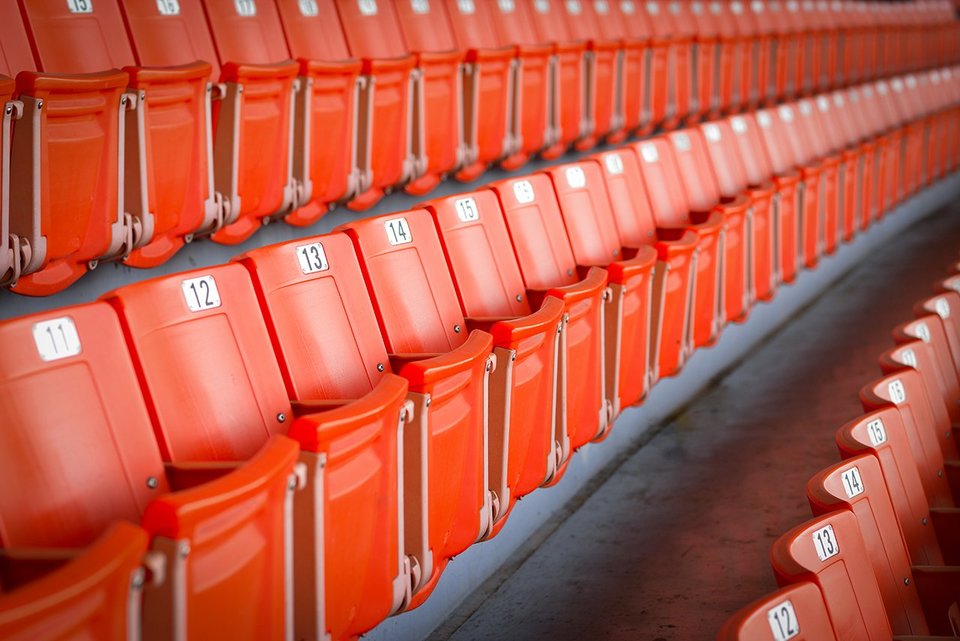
<point>665,186</point>
<point>539,239</point>
<point>796,149</point>
<point>372,28</point>
<point>319,277</point>
<point>778,148</point>
<point>882,434</point>
<point>407,278</point>
<point>696,172</point>
<point>857,484</point>
<point>473,23</point>
<point>313,29</point>
<point>749,143</point>
<point>587,214</point>
<point>169,38</point>
<point>68,392</point>
<point>796,612</point>
<point>15,46</point>
<point>629,201</point>
<point>929,329</point>
<point>724,156</point>
<point>947,307</point>
<point>246,33</point>
<point>829,551</point>
<point>479,254</point>
<point>905,391</point>
<point>549,21</point>
<point>426,26</point>
<point>205,361</point>
<point>515,23</point>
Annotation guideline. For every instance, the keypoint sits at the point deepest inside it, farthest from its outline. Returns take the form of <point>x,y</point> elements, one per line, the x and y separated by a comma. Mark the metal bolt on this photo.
<point>924,521</point>
<point>906,581</point>
<point>569,272</point>
<point>427,403</point>
<point>513,357</point>
<point>183,550</point>
<point>456,329</point>
<point>39,105</point>
<point>281,417</point>
<point>152,482</point>
<point>292,482</point>
<point>489,367</point>
<point>519,297</point>
<point>616,252</point>
<point>380,367</point>
<point>91,265</point>
<point>940,474</point>
<point>123,102</point>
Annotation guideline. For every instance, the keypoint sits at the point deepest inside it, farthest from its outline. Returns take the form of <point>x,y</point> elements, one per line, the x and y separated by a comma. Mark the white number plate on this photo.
<point>825,543</point>
<point>575,177</point>
<point>200,293</point>
<point>783,621</point>
<point>943,308</point>
<point>897,393</point>
<point>763,119</point>
<point>614,163</point>
<point>852,483</point>
<point>168,7</point>
<point>246,8</point>
<point>923,332</point>
<point>876,432</point>
<point>681,141</point>
<point>398,231</point>
<point>786,113</point>
<point>541,6</point>
<point>711,132</point>
<point>420,6</point>
<point>367,7</point>
<point>80,6</point>
<point>523,191</point>
<point>312,258</point>
<point>466,7</point>
<point>739,125</point>
<point>909,358</point>
<point>507,6</point>
<point>628,7</point>
<point>56,339</point>
<point>573,7</point>
<point>649,153</point>
<point>601,7</point>
<point>467,210</point>
<point>309,8</point>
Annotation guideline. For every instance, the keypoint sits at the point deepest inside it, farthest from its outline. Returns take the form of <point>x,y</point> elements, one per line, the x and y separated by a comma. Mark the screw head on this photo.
<point>152,482</point>
<point>183,550</point>
<point>519,297</point>
<point>569,272</point>
<point>939,473</point>
<point>456,329</point>
<point>906,580</point>
<point>924,521</point>
<point>380,367</point>
<point>281,417</point>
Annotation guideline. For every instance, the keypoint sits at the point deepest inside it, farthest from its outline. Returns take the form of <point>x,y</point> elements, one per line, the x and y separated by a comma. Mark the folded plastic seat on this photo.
<point>329,112</point>
<point>841,140</point>
<point>385,133</point>
<point>794,612</point>
<point>10,249</point>
<point>673,283</point>
<point>818,148</point>
<point>66,208</point>
<point>604,72</point>
<point>672,34</point>
<point>764,54</point>
<point>533,129</point>
<point>549,269</point>
<point>703,196</point>
<point>749,62</point>
<point>591,226</point>
<point>868,158</point>
<point>218,528</point>
<point>791,50</point>
<point>438,117</point>
<point>448,366</point>
<point>672,209</point>
<point>947,307</point>
<point>764,182</point>
<point>709,22</point>
<point>889,145</point>
<point>374,551</point>
<point>525,429</point>
<point>732,182</point>
<point>490,97</point>
<point>916,597</point>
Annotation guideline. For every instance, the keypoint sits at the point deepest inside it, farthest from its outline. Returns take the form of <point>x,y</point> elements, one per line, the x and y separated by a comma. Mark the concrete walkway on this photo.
<point>679,536</point>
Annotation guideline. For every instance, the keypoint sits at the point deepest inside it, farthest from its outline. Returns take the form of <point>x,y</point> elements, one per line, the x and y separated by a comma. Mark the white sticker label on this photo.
<point>954,284</point>
<point>825,542</point>
<point>909,358</point>
<point>573,7</point>
<point>882,88</point>
<point>739,125</point>
<point>763,119</point>
<point>711,132</point>
<point>942,307</point>
<point>541,6</point>
<point>838,99</point>
<point>852,483</point>
<point>868,91</point>
<point>653,8</point>
<point>312,258</point>
<point>246,8</point>
<point>783,621</point>
<point>168,7</point>
<point>420,6</point>
<point>627,7</point>
<point>786,113</point>
<point>649,152</point>
<point>736,7</point>
<point>823,104</point>
<point>601,7</point>
<point>398,231</point>
<point>854,96</point>
<point>466,7</point>
<point>923,332</point>
<point>876,432</point>
<point>935,76</point>
<point>696,8</point>
<point>805,108</point>
<point>896,391</point>
<point>911,81</point>
<point>200,293</point>
<point>56,339</point>
<point>80,6</point>
<point>674,8</point>
<point>523,191</point>
<point>614,163</point>
<point>681,141</point>
<point>757,6</point>
<point>467,210</point>
<point>367,7</point>
<point>575,177</point>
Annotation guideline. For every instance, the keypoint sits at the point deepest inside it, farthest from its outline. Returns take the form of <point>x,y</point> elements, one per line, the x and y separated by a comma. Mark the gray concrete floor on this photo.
<point>679,536</point>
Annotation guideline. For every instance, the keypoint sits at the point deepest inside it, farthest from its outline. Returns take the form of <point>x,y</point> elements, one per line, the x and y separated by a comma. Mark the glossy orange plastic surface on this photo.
<point>773,614</point>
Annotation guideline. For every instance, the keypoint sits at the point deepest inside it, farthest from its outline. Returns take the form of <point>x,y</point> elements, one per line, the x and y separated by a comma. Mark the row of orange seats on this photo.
<point>135,126</point>
<point>306,436</point>
<point>882,556</point>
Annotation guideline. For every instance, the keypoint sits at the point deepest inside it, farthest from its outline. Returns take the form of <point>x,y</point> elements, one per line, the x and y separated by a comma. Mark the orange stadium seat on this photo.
<point>10,251</point>
<point>196,513</point>
<point>447,365</point>
<point>794,612</point>
<point>930,330</point>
